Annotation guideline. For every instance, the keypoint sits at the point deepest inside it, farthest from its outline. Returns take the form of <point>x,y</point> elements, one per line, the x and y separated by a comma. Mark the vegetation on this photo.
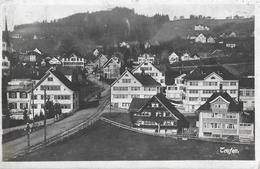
<point>105,142</point>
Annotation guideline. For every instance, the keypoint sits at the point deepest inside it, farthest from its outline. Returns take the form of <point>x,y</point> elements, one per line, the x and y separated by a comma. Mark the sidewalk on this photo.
<point>10,149</point>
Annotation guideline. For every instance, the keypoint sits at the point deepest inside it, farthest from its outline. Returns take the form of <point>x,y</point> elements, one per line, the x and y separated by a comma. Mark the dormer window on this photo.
<point>213,77</point>
<point>50,78</point>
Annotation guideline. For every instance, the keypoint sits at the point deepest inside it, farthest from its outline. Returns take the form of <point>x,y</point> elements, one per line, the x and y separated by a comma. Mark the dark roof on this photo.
<point>61,77</point>
<point>65,70</point>
<point>146,80</point>
<point>248,83</point>
<point>200,73</point>
<point>169,106</point>
<point>137,103</point>
<point>72,51</point>
<point>64,80</point>
<point>171,74</point>
<point>233,105</point>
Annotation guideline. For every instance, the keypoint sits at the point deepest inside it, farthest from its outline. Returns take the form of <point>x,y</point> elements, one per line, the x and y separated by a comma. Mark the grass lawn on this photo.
<point>123,118</point>
<point>106,142</point>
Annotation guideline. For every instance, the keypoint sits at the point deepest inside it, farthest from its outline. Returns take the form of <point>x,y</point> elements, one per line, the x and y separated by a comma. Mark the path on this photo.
<point>13,148</point>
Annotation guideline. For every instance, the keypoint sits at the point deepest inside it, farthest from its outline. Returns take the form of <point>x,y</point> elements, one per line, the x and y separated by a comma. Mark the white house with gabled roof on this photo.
<point>201,38</point>
<point>150,69</point>
<point>173,58</point>
<point>111,69</point>
<point>129,86</point>
<point>58,89</point>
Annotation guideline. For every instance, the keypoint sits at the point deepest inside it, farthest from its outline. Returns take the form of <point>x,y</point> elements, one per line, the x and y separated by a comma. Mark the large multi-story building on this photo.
<point>247,93</point>
<point>58,89</point>
<point>203,81</point>
<point>73,60</point>
<point>156,114</point>
<point>150,69</point>
<point>175,89</point>
<point>220,117</point>
<point>18,98</point>
<point>129,86</point>
<point>146,58</point>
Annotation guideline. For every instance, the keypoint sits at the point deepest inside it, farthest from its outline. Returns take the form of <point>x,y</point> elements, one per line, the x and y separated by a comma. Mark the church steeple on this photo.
<point>6,34</point>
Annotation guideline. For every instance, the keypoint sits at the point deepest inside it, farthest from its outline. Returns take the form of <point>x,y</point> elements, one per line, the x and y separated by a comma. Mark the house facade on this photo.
<point>156,114</point>
<point>151,70</point>
<point>211,40</point>
<point>111,69</point>
<point>129,86</point>
<point>176,90</point>
<point>58,89</point>
<point>203,81</point>
<point>73,60</point>
<point>247,93</point>
<point>5,64</point>
<point>220,117</point>
<point>173,58</point>
<point>201,28</point>
<point>146,58</point>
<point>201,38</point>
<point>18,98</point>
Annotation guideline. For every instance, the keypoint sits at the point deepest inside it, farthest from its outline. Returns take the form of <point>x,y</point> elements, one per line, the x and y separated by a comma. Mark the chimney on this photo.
<point>143,72</point>
<point>221,88</point>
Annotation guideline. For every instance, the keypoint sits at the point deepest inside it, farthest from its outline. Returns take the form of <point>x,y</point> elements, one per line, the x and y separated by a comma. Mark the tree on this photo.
<point>49,109</point>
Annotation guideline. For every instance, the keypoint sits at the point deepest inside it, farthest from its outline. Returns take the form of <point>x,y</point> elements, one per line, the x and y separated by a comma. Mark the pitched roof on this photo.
<point>170,75</point>
<point>233,105</point>
<point>141,64</point>
<point>109,61</point>
<point>137,103</point>
<point>61,77</point>
<point>248,83</point>
<point>146,80</point>
<point>202,72</point>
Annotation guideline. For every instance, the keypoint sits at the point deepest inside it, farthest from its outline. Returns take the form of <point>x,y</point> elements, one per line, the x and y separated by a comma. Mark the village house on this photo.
<point>203,81</point>
<point>146,58</point>
<point>111,69</point>
<point>232,35</point>
<point>73,59</point>
<point>54,61</point>
<point>151,70</point>
<point>173,58</point>
<point>220,117</point>
<point>186,57</point>
<point>17,97</point>
<point>230,45</point>
<point>211,40</point>
<point>129,86</point>
<point>175,89</point>
<point>201,38</point>
<point>97,63</point>
<point>156,114</point>
<point>201,28</point>
<point>58,89</point>
<point>5,63</point>
<point>247,93</point>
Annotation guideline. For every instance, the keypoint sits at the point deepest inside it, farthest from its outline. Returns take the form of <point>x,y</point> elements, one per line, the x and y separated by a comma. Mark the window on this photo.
<point>158,114</point>
<point>233,83</point>
<point>193,83</point>
<point>230,126</point>
<point>145,114</point>
<point>155,104</point>
<point>135,96</point>
<point>204,99</point>
<point>50,78</point>
<point>12,105</point>
<point>233,91</point>
<point>34,106</point>
<point>50,87</point>
<point>209,91</point>
<point>34,97</point>
<point>210,83</point>
<point>135,88</point>
<point>23,95</point>
<point>12,95</point>
<point>120,88</point>
<point>225,83</point>
<point>62,97</point>
<point>126,80</point>
<point>65,106</point>
<point>193,98</point>
<point>194,91</point>
<point>23,105</point>
<point>149,89</point>
<point>125,104</point>
<point>120,96</point>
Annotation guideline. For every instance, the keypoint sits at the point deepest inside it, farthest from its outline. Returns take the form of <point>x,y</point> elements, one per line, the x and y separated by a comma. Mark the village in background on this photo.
<point>189,79</point>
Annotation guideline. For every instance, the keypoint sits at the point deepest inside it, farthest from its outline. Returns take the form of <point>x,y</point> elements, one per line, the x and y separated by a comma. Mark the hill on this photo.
<point>84,31</point>
<point>185,27</point>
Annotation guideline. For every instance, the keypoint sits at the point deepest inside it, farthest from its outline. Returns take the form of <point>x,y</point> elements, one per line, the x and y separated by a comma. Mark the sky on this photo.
<point>28,11</point>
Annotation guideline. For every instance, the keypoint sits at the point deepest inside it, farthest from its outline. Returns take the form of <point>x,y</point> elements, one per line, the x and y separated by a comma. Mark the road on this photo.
<point>12,148</point>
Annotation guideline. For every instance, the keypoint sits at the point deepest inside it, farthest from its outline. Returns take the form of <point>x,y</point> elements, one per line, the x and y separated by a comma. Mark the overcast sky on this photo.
<point>27,11</point>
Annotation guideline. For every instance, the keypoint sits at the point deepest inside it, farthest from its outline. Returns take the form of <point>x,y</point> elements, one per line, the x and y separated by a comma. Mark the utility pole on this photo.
<point>28,129</point>
<point>45,132</point>
<point>32,103</point>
